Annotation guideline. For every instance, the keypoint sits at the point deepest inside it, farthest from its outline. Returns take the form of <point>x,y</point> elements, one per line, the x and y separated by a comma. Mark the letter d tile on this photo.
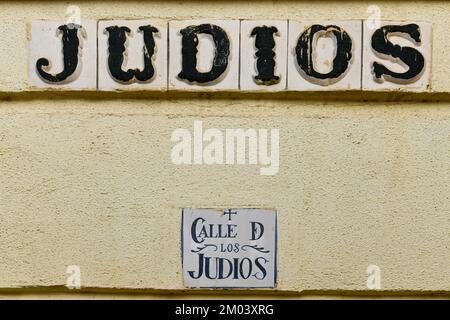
<point>204,55</point>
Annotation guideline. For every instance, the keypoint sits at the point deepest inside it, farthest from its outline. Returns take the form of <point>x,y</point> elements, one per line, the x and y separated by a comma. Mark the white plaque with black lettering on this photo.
<point>229,248</point>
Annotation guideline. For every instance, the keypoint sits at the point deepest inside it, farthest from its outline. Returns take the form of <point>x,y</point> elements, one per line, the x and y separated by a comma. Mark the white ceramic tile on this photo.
<point>46,42</point>
<point>133,55</point>
<point>248,57</point>
<point>324,52</point>
<point>417,84</point>
<point>246,246</point>
<point>228,81</point>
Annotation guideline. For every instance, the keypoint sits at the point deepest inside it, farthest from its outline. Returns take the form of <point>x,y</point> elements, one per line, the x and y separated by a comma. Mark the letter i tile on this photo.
<point>263,55</point>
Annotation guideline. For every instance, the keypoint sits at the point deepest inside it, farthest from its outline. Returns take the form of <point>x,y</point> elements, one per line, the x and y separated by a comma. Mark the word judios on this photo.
<point>264,55</point>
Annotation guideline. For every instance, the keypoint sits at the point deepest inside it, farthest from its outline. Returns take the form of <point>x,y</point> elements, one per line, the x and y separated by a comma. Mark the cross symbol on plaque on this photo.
<point>230,213</point>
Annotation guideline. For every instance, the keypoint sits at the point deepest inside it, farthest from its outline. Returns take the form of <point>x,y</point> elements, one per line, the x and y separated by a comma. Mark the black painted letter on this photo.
<point>409,56</point>
<point>149,50</point>
<point>265,63</point>
<point>71,42</point>
<point>189,53</point>
<point>116,42</point>
<point>304,51</point>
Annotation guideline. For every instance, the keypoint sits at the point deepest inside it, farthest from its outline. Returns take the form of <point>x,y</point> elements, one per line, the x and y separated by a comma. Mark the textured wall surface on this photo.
<point>87,179</point>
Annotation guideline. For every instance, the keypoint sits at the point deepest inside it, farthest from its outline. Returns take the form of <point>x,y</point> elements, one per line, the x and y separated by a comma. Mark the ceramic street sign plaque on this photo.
<point>229,248</point>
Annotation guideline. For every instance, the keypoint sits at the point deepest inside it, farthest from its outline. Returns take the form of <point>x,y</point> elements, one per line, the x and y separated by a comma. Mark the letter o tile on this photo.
<point>323,68</point>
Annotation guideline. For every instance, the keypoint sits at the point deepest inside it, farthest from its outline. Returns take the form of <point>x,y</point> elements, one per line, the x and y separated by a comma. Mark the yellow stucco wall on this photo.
<point>86,179</point>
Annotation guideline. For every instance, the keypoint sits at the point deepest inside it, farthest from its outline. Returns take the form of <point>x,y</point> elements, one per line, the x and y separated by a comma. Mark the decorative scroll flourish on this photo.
<point>199,249</point>
<point>255,247</point>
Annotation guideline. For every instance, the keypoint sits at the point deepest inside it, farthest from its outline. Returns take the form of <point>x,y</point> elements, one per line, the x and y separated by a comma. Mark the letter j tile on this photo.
<point>63,56</point>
